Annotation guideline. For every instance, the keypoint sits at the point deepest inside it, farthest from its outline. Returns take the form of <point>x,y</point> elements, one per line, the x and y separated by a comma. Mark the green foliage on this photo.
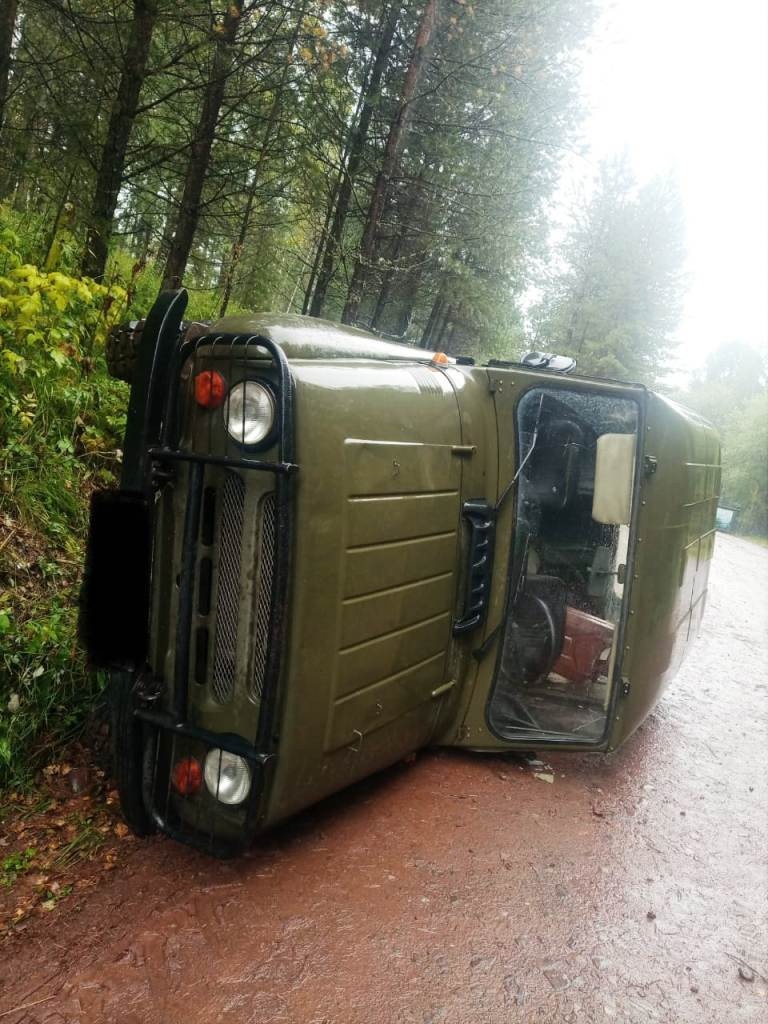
<point>615,301</point>
<point>56,403</point>
<point>745,464</point>
<point>54,895</point>
<point>61,424</point>
<point>45,691</point>
<point>733,374</point>
<point>495,108</point>
<point>25,235</point>
<point>16,864</point>
<point>731,393</point>
<point>140,282</point>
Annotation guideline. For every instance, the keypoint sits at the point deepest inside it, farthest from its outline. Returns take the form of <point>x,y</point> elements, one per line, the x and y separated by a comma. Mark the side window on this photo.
<point>574,503</point>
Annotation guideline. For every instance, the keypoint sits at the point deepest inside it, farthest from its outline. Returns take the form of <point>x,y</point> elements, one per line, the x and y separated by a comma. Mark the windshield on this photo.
<point>564,606</point>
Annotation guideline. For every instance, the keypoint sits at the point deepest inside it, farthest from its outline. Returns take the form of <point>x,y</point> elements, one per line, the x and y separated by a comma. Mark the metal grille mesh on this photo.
<point>263,595</point>
<point>228,600</point>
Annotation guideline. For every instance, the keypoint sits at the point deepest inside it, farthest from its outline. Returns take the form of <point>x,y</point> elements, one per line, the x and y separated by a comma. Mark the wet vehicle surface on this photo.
<point>462,887</point>
<point>328,552</point>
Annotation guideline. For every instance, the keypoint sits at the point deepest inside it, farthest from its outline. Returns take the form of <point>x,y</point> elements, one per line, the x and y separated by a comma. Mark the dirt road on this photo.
<point>463,889</point>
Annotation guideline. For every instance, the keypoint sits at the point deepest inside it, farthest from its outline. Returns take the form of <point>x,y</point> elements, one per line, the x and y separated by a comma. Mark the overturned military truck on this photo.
<point>329,551</point>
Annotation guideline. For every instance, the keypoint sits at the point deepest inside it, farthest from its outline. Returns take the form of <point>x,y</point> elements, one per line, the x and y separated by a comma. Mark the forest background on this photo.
<point>389,165</point>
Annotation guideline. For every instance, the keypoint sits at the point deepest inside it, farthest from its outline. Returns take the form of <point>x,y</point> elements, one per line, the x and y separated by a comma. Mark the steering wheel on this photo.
<point>536,636</point>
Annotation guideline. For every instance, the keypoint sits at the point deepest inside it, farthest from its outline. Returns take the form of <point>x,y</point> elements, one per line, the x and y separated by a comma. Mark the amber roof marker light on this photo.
<point>440,359</point>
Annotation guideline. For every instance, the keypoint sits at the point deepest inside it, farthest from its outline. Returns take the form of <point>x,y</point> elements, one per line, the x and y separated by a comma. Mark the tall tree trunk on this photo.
<point>200,151</point>
<point>7,25</point>
<point>350,167</point>
<point>397,322</point>
<point>322,241</point>
<point>321,248</point>
<point>447,318</point>
<point>392,152</point>
<point>109,176</point>
<point>272,119</point>
<point>436,319</point>
<point>62,221</point>
<point>401,250</point>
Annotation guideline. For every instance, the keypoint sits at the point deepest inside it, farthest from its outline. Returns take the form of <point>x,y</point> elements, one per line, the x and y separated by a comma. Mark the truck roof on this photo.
<point>306,337</point>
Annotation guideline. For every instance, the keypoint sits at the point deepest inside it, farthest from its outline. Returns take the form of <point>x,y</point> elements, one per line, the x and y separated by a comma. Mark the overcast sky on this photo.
<point>682,86</point>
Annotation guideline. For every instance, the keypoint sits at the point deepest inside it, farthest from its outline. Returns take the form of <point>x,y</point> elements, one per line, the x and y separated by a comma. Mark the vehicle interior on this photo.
<point>575,481</point>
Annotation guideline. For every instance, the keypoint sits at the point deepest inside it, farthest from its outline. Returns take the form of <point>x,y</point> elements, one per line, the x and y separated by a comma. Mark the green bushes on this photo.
<point>61,427</point>
<point>46,691</point>
<point>745,466</point>
<point>731,391</point>
<point>61,424</point>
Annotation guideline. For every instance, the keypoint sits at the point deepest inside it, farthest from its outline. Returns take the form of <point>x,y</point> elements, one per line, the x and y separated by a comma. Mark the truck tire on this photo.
<point>124,340</point>
<point>128,754</point>
<point>122,349</point>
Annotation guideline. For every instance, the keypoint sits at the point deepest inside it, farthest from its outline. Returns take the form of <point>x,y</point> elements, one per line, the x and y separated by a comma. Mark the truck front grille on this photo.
<point>263,595</point>
<point>228,599</point>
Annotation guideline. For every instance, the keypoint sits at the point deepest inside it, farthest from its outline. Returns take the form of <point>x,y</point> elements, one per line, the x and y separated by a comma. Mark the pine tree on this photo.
<point>7,27</point>
<point>390,158</point>
<point>223,34</point>
<point>614,299</point>
<point>111,165</point>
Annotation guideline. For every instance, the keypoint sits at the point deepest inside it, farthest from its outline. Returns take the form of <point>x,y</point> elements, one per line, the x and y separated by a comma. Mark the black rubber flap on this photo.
<point>114,600</point>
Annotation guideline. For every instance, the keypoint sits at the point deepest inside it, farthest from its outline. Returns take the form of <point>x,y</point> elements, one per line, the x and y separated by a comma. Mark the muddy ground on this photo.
<point>461,888</point>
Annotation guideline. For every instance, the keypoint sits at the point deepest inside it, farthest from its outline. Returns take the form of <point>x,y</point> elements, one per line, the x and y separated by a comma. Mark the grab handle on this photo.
<point>482,526</point>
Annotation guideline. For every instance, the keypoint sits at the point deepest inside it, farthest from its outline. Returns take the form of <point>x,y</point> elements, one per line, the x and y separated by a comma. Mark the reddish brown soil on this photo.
<point>462,888</point>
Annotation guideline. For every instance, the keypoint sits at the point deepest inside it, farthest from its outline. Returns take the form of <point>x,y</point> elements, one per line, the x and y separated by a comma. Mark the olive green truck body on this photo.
<point>418,551</point>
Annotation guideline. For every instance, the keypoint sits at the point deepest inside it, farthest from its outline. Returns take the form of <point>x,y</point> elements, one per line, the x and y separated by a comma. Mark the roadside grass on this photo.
<point>61,425</point>
<point>46,691</point>
<point>86,841</point>
<point>16,864</point>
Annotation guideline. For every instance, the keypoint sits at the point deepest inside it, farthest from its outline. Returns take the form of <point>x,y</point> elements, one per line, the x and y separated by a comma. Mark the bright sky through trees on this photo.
<point>682,86</point>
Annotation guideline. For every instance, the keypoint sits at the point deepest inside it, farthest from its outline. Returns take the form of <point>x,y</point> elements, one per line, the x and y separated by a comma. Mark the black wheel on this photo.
<point>128,754</point>
<point>122,349</point>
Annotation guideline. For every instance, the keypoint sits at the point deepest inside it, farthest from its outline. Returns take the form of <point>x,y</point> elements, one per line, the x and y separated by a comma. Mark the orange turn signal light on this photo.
<point>187,776</point>
<point>440,359</point>
<point>210,389</point>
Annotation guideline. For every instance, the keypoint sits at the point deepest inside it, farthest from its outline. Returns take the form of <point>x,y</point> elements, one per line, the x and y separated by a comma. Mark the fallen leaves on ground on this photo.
<point>56,842</point>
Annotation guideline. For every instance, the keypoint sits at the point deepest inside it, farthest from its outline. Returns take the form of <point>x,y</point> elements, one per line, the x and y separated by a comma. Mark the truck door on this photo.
<point>549,658</point>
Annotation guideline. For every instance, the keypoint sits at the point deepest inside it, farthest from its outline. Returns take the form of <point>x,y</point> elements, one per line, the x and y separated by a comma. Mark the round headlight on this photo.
<point>227,776</point>
<point>249,412</point>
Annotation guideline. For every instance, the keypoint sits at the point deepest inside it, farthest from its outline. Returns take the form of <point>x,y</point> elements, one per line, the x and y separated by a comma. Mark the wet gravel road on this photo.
<point>462,888</point>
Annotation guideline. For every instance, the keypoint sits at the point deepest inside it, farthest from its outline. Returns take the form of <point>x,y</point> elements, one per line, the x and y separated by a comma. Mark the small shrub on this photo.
<point>61,427</point>
<point>16,864</point>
